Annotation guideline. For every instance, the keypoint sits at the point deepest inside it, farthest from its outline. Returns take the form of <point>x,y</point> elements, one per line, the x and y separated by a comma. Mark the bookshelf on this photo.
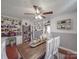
<point>10,26</point>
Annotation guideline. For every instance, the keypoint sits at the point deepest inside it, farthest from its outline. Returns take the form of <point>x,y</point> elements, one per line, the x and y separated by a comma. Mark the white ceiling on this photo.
<point>17,8</point>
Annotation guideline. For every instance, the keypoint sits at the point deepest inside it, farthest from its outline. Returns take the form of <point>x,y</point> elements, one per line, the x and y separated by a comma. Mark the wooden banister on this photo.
<point>68,54</point>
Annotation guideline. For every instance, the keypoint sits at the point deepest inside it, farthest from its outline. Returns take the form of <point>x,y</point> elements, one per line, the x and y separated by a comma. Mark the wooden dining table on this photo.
<point>28,52</point>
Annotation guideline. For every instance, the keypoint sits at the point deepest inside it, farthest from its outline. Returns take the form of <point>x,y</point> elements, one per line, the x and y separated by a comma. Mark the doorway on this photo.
<point>26,33</point>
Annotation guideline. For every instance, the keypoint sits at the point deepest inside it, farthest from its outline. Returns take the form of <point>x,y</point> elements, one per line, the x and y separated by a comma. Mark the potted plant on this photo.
<point>11,42</point>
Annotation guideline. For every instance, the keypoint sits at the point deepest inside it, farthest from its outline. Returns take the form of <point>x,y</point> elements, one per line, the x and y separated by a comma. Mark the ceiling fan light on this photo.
<point>37,11</point>
<point>38,17</point>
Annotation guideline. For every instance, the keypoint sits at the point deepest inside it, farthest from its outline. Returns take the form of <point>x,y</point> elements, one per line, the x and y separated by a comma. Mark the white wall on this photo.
<point>72,16</point>
<point>67,40</point>
<point>68,37</point>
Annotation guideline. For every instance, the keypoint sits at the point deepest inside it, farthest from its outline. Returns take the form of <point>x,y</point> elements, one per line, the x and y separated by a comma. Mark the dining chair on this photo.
<point>52,46</point>
<point>56,46</point>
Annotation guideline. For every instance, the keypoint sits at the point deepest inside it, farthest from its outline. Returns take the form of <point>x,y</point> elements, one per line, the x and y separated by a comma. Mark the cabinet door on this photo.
<point>18,40</point>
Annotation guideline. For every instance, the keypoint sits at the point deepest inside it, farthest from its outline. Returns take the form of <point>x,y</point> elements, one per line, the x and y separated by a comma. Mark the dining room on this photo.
<point>39,29</point>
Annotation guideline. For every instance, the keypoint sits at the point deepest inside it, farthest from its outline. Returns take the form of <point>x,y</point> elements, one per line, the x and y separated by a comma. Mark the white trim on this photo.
<point>71,32</point>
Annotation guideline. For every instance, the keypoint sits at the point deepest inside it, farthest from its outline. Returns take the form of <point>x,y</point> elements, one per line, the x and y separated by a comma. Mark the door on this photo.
<point>26,33</point>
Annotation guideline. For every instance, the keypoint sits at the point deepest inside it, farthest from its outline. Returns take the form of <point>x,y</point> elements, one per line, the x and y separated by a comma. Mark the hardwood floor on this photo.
<point>12,52</point>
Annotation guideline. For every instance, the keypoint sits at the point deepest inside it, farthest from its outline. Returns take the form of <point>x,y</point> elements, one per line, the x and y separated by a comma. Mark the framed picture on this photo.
<point>64,24</point>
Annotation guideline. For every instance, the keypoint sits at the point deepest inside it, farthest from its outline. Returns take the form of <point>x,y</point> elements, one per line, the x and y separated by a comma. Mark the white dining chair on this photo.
<point>52,46</point>
<point>49,48</point>
<point>56,46</point>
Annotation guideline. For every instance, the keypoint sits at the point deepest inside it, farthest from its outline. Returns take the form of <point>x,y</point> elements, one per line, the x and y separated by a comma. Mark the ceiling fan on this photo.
<point>39,12</point>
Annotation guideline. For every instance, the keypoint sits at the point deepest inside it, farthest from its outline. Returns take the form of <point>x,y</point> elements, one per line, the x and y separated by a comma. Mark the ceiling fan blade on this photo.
<point>50,12</point>
<point>29,14</point>
<point>43,16</point>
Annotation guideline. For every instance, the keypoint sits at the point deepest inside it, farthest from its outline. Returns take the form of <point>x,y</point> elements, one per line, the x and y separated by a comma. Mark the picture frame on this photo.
<point>64,24</point>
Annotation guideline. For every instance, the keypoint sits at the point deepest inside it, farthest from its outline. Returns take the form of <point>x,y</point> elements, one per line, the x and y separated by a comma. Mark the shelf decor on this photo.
<point>9,25</point>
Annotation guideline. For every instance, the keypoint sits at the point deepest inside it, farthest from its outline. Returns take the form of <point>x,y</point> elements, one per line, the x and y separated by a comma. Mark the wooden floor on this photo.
<point>12,52</point>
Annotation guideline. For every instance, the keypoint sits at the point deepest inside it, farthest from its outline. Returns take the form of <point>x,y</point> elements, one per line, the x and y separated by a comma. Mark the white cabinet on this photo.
<point>3,48</point>
<point>18,40</point>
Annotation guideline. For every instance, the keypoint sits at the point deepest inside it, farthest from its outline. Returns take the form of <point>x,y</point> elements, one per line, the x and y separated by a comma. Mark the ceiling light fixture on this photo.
<point>37,11</point>
<point>38,17</point>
